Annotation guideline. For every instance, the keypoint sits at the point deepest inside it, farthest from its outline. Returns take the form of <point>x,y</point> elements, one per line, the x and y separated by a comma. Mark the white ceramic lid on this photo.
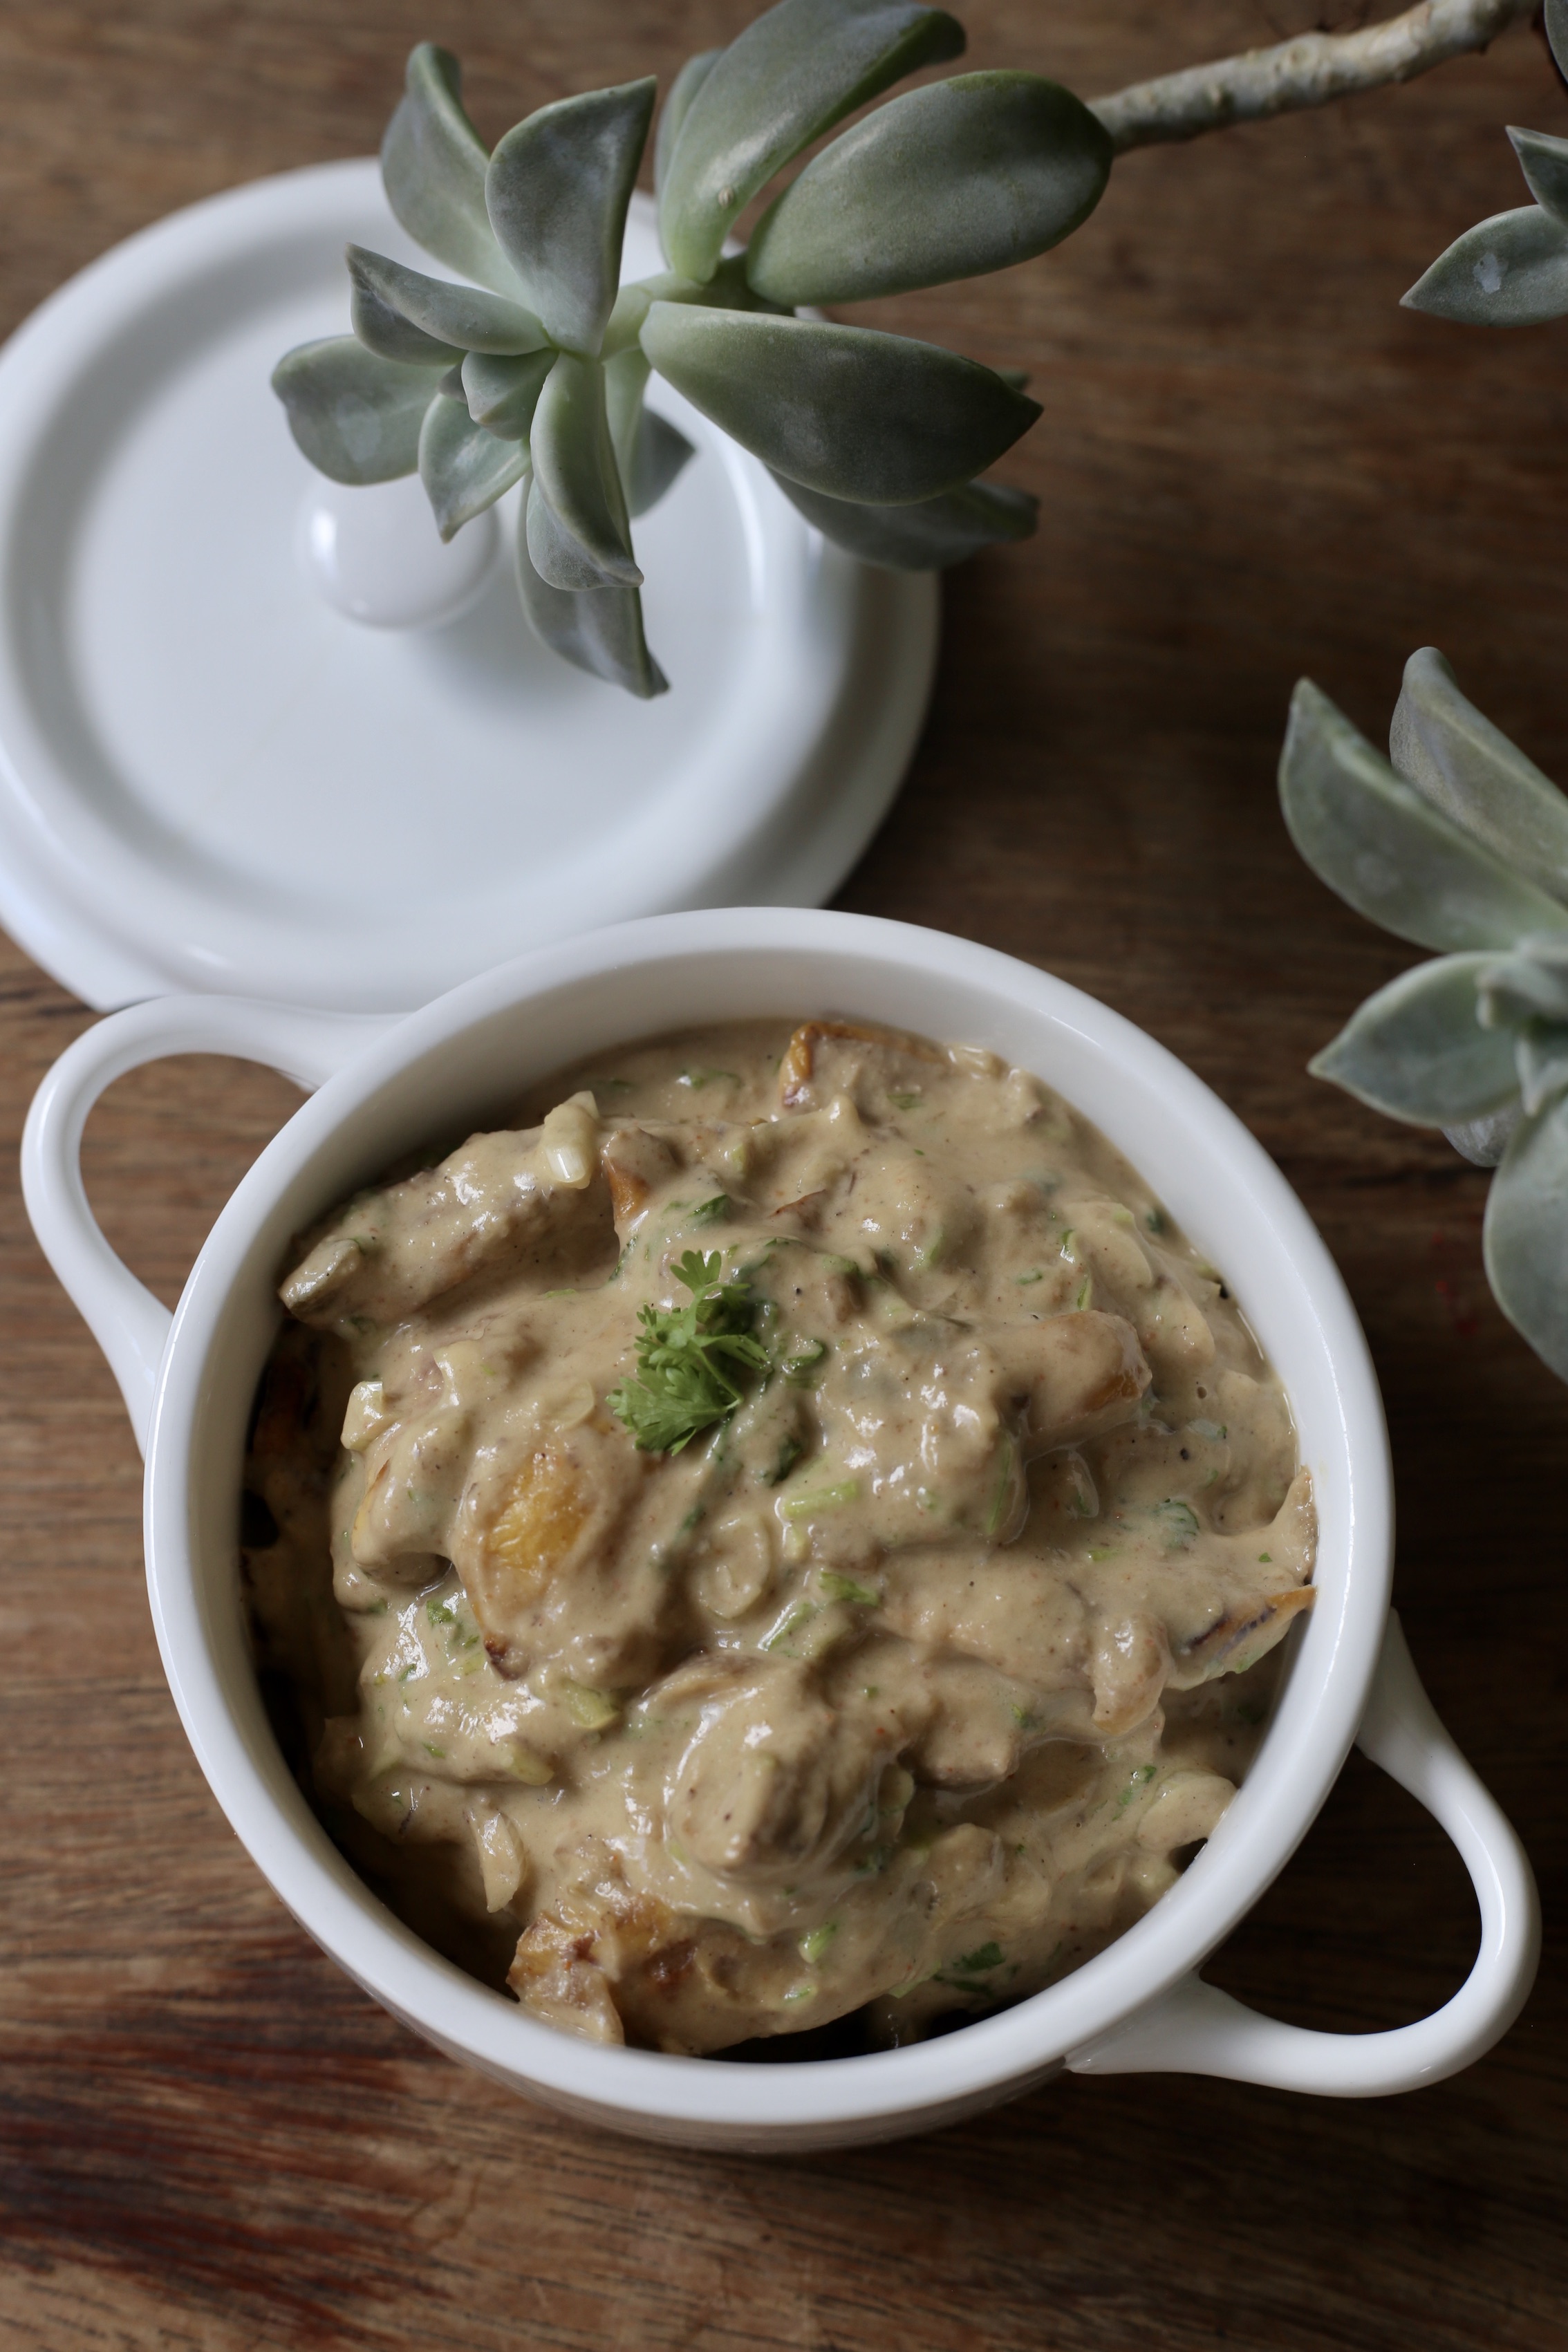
<point>211,780</point>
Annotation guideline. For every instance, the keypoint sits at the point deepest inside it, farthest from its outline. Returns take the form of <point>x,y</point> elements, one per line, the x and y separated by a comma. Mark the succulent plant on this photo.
<point>534,371</point>
<point>1512,270</point>
<point>1458,842</point>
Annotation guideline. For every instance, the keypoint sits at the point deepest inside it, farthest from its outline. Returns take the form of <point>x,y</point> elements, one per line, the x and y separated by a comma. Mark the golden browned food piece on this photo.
<point>495,1207</point>
<point>1077,1374</point>
<point>544,1522</point>
<point>890,1049</point>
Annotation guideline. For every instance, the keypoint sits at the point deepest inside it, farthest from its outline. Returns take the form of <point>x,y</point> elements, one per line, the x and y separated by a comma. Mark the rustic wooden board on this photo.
<point>1253,465</point>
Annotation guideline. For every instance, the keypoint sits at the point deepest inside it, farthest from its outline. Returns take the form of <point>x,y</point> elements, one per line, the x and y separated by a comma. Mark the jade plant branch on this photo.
<point>531,375</point>
<point>1310,70</point>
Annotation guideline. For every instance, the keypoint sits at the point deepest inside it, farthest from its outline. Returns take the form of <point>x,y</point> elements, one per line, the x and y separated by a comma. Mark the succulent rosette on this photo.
<point>1458,842</point>
<point>533,371</point>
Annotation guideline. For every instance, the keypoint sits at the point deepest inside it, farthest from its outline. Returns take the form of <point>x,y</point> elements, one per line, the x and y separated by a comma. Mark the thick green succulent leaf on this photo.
<point>1531,984</point>
<point>926,537</point>
<point>433,164</point>
<point>682,90</point>
<point>662,452</point>
<point>789,77</point>
<point>385,331</point>
<point>649,451</point>
<point>577,529</point>
<point>951,180</point>
<point>503,393</point>
<point>1557,31</point>
<point>356,416</point>
<point>726,290</point>
<point>597,629</point>
<point>845,410</point>
<point>1483,1141</point>
<point>1417,1051</point>
<point>557,190</point>
<point>1509,271</point>
<point>1542,1056</point>
<point>1388,852</point>
<point>1466,767</point>
<point>1526,1234</point>
<point>1544,163</point>
<point>464,469</point>
<point>457,318</point>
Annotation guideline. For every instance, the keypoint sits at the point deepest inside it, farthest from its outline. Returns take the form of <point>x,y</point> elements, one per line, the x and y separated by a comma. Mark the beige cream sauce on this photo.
<point>904,1690</point>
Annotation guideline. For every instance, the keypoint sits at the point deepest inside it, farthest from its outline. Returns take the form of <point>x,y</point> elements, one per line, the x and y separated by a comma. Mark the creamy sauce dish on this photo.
<point>788,1529</point>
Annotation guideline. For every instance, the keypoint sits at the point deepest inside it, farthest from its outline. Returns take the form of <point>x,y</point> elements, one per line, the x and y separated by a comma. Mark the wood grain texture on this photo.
<point>1252,465</point>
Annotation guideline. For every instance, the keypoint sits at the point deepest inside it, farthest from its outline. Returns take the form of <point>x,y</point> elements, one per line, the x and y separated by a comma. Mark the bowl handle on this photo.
<point>1195,2029</point>
<point>130,1325</point>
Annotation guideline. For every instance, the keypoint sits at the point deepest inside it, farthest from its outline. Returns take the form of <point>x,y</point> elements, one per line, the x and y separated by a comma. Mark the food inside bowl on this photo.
<point>788,1529</point>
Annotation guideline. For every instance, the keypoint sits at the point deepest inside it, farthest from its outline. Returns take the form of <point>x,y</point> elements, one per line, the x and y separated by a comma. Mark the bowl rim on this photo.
<point>1314,1723</point>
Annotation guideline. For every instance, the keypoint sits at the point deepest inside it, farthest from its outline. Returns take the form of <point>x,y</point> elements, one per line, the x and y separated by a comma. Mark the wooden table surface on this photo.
<point>1252,465</point>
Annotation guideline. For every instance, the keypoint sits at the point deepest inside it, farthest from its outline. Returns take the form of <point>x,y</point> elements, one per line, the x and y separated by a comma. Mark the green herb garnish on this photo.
<point>845,1588</point>
<point>710,1213</point>
<point>800,1368</point>
<point>825,1498</point>
<point>1179,1520</point>
<point>784,1462</point>
<point>684,1356</point>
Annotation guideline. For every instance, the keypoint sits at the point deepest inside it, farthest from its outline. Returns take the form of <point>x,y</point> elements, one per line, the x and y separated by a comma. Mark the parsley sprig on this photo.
<point>686,1358</point>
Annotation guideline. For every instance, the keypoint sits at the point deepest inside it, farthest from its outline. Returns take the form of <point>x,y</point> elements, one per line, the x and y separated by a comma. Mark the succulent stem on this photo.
<point>1310,70</point>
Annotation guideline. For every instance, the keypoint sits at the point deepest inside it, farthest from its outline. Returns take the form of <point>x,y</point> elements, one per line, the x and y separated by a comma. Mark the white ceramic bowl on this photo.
<point>385,1087</point>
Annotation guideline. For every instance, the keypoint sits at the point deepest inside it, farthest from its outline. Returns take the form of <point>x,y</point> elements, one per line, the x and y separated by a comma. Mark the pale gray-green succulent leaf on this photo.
<point>1557,31</point>
<point>726,290</point>
<point>1417,1051</point>
<point>649,451</point>
<point>577,528</point>
<point>554,554</point>
<point>1466,767</point>
<point>597,629</point>
<point>1526,1234</point>
<point>458,319</point>
<point>682,90</point>
<point>557,190</point>
<point>661,453</point>
<point>1531,984</point>
<point>387,334</point>
<point>1544,163</point>
<point>1542,1055</point>
<point>356,416</point>
<point>789,77</point>
<point>962,177</point>
<point>433,165</point>
<point>926,537</point>
<point>464,469</point>
<point>1388,852</point>
<point>503,393</point>
<point>845,410</point>
<point>1509,271</point>
<point>1483,1141</point>
<point>625,381</point>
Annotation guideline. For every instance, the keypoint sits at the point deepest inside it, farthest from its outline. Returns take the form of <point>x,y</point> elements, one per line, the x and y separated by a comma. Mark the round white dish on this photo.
<point>210,779</point>
<point>385,1087</point>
